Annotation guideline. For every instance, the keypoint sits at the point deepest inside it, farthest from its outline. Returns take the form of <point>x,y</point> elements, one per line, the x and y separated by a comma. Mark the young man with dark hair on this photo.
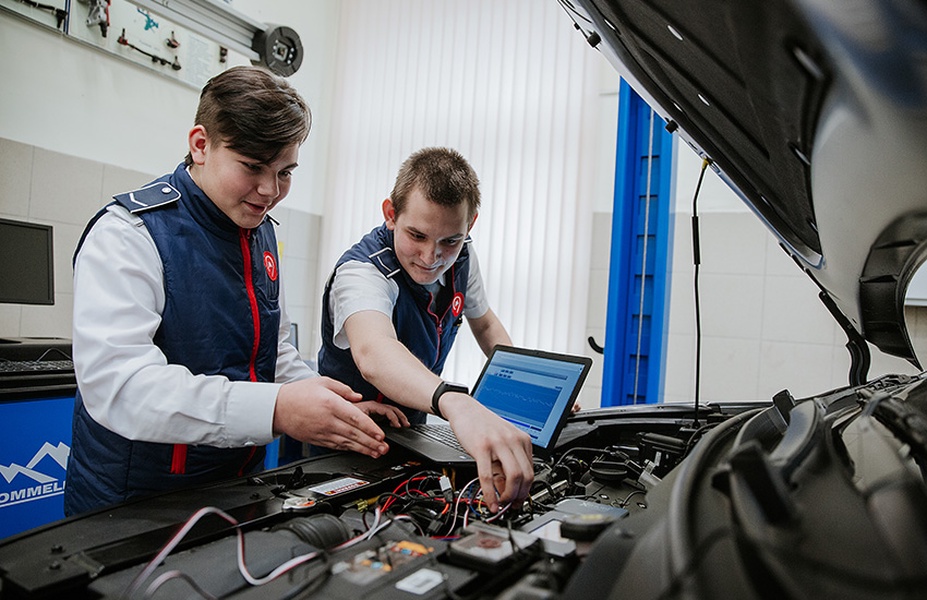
<point>393,304</point>
<point>183,370</point>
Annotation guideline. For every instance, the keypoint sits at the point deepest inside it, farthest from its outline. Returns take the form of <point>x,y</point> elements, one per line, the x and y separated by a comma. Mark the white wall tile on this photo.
<point>597,300</point>
<point>590,397</point>
<point>681,306</point>
<point>295,274</point>
<point>300,314</point>
<point>601,241</point>
<point>298,239</point>
<point>778,262</point>
<point>680,366</point>
<point>16,161</point>
<point>66,238</point>
<point>10,320</point>
<point>792,312</point>
<point>49,321</point>
<point>883,364</point>
<point>730,368</point>
<point>731,305</point>
<point>64,185</point>
<point>732,243</point>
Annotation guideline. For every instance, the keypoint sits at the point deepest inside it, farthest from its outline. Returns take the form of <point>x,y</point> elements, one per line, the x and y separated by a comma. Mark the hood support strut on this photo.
<point>856,344</point>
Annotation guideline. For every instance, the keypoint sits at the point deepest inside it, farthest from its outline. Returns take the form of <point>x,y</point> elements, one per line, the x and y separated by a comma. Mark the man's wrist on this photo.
<point>443,388</point>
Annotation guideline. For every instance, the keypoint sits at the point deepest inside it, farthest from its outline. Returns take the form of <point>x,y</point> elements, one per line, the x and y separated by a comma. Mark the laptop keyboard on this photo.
<point>439,433</point>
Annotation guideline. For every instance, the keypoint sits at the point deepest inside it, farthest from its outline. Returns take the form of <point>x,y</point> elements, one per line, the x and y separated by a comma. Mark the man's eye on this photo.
<point>286,174</point>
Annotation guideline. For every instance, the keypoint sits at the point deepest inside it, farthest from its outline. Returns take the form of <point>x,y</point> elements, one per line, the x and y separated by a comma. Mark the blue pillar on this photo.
<point>638,285</point>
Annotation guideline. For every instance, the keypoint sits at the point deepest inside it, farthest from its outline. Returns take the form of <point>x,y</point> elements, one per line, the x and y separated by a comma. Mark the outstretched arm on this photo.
<point>502,453</point>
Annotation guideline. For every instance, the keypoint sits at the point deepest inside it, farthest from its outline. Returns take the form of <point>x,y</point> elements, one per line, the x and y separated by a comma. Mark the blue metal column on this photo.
<point>638,286</point>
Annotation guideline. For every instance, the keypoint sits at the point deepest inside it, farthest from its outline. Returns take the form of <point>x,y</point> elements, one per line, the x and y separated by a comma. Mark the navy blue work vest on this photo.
<point>428,332</point>
<point>221,317</point>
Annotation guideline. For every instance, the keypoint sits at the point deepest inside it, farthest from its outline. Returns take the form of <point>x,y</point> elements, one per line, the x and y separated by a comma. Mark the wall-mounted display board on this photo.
<point>133,33</point>
<point>143,37</point>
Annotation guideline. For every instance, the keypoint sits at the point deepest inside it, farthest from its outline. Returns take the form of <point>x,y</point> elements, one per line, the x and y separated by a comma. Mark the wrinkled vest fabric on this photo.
<point>221,317</point>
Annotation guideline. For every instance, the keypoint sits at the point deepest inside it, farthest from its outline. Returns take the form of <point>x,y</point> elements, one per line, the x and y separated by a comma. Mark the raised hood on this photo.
<point>815,112</point>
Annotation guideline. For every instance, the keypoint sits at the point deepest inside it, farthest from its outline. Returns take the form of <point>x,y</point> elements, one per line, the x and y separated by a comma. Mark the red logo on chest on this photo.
<point>457,304</point>
<point>270,265</point>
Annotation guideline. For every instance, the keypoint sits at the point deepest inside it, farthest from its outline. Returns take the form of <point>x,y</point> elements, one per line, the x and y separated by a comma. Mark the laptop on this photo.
<point>533,390</point>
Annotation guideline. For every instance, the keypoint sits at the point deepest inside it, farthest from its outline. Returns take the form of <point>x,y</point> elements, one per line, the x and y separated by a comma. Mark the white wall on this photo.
<point>67,97</point>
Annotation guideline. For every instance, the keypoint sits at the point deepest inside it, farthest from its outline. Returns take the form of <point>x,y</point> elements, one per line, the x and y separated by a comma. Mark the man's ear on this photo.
<point>472,222</point>
<point>389,214</point>
<point>198,141</point>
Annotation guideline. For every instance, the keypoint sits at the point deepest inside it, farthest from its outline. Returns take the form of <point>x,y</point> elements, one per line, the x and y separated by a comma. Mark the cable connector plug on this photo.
<point>447,490</point>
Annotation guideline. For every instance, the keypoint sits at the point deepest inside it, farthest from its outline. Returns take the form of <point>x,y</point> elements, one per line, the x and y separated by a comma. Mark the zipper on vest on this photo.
<point>244,236</point>
<point>245,239</point>
<point>431,302</point>
<point>179,459</point>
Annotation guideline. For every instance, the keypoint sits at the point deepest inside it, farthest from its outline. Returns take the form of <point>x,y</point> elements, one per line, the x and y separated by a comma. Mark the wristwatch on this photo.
<point>442,389</point>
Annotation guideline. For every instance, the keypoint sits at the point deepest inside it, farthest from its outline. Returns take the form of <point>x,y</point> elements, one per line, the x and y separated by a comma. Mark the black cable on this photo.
<point>696,435</point>
<point>627,499</point>
<point>697,259</point>
<point>578,449</point>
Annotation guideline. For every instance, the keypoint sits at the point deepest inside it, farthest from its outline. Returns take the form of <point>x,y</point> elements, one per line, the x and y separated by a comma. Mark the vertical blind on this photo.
<point>513,87</point>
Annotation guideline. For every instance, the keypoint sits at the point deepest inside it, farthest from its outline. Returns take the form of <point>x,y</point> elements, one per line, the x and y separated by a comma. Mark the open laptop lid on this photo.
<point>533,390</point>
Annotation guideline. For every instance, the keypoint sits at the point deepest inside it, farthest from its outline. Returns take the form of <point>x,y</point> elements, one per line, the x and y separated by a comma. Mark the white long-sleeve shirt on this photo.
<point>124,378</point>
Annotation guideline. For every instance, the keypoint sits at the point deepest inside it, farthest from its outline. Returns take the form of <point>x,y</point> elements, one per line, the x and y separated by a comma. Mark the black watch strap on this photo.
<point>442,389</point>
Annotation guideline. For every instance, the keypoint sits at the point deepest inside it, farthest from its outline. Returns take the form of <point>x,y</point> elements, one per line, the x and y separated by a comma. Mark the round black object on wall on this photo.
<point>279,49</point>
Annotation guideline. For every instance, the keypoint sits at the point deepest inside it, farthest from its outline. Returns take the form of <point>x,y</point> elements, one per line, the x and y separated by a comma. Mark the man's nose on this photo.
<point>431,253</point>
<point>269,186</point>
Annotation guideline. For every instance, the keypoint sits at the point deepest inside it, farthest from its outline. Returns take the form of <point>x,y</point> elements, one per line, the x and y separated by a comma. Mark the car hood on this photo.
<point>814,112</point>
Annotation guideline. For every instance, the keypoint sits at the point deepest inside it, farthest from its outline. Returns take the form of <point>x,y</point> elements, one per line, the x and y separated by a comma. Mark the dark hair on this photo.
<point>253,112</point>
<point>444,177</point>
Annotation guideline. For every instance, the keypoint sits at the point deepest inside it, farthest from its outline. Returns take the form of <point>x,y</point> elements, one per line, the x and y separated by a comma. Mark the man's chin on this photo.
<point>422,276</point>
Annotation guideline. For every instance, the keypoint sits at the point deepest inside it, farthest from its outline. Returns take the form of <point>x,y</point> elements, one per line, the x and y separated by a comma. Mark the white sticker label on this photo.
<point>420,582</point>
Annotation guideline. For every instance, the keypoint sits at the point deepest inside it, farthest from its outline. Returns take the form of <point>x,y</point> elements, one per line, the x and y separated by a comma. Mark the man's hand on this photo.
<point>396,417</point>
<point>322,411</point>
<point>502,453</point>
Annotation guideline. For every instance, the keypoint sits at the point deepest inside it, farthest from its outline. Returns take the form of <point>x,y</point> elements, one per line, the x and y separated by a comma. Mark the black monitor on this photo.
<point>27,272</point>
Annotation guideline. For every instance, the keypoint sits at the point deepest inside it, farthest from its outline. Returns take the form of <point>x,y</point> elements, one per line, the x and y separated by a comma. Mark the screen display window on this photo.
<point>27,274</point>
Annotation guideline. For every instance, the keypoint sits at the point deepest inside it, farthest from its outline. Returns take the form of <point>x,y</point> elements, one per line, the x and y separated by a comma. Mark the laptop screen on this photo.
<point>531,389</point>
